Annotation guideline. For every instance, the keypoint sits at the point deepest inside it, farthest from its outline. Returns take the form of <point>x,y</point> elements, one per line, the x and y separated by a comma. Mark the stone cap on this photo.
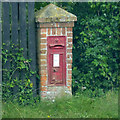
<point>52,13</point>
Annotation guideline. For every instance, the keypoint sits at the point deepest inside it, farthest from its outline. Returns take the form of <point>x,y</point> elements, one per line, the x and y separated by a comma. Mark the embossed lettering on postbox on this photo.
<point>56,59</point>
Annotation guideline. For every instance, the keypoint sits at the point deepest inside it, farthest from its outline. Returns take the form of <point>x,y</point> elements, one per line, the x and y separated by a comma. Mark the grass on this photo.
<point>75,107</point>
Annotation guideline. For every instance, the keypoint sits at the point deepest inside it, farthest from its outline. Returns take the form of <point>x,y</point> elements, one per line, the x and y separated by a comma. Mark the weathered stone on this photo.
<point>52,13</point>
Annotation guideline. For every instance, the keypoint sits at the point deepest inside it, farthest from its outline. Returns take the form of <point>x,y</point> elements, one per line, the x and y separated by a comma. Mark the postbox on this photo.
<point>54,40</point>
<point>56,46</point>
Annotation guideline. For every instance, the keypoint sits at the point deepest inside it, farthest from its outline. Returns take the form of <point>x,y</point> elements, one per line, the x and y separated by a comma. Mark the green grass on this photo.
<point>75,107</point>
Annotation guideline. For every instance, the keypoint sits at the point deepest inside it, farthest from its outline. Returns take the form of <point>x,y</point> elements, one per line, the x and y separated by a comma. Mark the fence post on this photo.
<point>23,36</point>
<point>0,61</point>
<point>6,32</point>
<point>14,39</point>
<point>32,42</point>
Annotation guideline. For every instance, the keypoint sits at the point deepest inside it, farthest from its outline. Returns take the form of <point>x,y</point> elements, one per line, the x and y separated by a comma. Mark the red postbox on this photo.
<point>56,59</point>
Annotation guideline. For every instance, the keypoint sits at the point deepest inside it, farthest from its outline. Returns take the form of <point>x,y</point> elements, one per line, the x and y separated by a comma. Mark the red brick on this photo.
<point>43,62</point>
<point>58,31</point>
<point>43,78</point>
<point>46,25</point>
<point>63,31</point>
<point>43,30</point>
<point>69,50</point>
<point>70,45</point>
<point>69,29</point>
<point>43,57</point>
<point>43,67</point>
<point>49,31</point>
<point>69,39</point>
<point>69,87</point>
<point>43,35</point>
<point>69,76</point>
<point>69,83</point>
<point>69,61</point>
<point>42,72</point>
<point>57,24</point>
<point>53,31</point>
<point>69,34</point>
<point>43,40</point>
<point>69,56</point>
<point>65,24</point>
<point>43,82</point>
<point>43,88</point>
<point>42,46</point>
<point>43,51</point>
<point>69,71</point>
<point>70,66</point>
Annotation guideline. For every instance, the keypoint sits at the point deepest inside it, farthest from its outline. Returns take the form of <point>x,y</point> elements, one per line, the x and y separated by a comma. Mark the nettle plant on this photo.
<point>16,84</point>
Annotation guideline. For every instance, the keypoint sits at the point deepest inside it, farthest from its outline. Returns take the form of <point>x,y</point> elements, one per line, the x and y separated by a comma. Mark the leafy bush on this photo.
<point>96,50</point>
<point>16,85</point>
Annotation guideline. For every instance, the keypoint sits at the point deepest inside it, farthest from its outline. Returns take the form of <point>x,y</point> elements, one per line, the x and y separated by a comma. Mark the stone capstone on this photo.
<point>52,13</point>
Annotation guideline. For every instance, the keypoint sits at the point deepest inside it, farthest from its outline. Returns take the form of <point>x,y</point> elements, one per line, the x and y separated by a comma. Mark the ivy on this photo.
<point>14,87</point>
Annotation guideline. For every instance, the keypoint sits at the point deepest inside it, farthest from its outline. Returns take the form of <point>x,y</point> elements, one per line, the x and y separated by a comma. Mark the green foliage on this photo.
<point>40,5</point>
<point>96,50</point>
<point>14,86</point>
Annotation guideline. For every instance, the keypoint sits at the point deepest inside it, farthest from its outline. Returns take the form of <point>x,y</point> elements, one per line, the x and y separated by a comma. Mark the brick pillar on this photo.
<point>47,26</point>
<point>54,29</point>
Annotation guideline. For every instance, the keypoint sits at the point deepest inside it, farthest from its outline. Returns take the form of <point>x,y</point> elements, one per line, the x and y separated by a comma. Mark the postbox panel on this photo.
<point>56,59</point>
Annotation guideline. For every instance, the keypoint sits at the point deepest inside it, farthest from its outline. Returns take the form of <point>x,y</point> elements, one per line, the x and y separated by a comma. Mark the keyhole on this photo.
<point>54,70</point>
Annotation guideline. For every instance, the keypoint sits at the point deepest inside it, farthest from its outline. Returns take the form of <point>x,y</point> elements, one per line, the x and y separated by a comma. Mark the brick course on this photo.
<point>69,29</point>
<point>53,31</point>
<point>69,39</point>
<point>49,31</point>
<point>43,35</point>
<point>69,50</point>
<point>69,71</point>
<point>43,51</point>
<point>59,31</point>
<point>63,31</point>
<point>69,34</point>
<point>56,25</point>
<point>42,46</point>
<point>43,40</point>
<point>43,62</point>
<point>42,72</point>
<point>69,66</point>
<point>43,88</point>
<point>43,30</point>
<point>43,78</point>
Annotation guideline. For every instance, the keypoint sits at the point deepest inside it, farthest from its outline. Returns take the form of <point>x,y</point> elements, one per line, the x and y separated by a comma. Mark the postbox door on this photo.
<point>56,61</point>
<point>57,69</point>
